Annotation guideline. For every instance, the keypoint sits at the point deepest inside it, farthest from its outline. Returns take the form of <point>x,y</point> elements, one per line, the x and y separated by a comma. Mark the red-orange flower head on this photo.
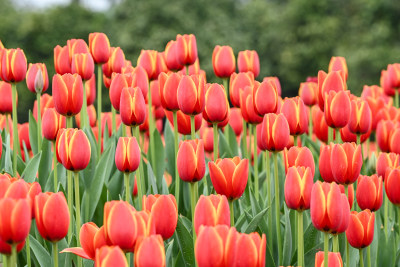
<point>12,65</point>
<point>377,101</point>
<point>115,62</point>
<point>150,251</point>
<point>99,47</point>
<point>237,83</point>
<point>392,185</point>
<point>46,101</point>
<point>229,176</point>
<point>308,92</point>
<point>127,155</point>
<point>216,104</point>
<point>171,56</point>
<point>390,79</point>
<point>248,61</point>
<point>186,49</point>
<point>385,161</point>
<point>73,149</point>
<point>164,213</point>
<point>277,83</point>
<point>67,94</point>
<point>83,65</point>
<point>360,232</point>
<point>337,108</point>
<point>211,210</point>
<point>384,132</point>
<point>296,114</point>
<point>132,106</point>
<point>52,122</point>
<point>339,64</point>
<point>76,46</point>
<point>223,61</point>
<point>184,121</point>
<point>334,259</point>
<point>15,219</point>
<point>348,136</point>
<point>320,128</point>
<point>52,215</point>
<point>369,192</point>
<point>6,98</point>
<point>168,84</point>
<point>360,117</point>
<point>191,161</point>
<point>247,105</point>
<point>298,186</point>
<point>346,162</point>
<point>333,81</point>
<point>236,120</point>
<point>23,133</point>
<point>298,156</point>
<point>325,168</point>
<point>265,98</point>
<point>37,79</point>
<point>275,132</point>
<point>110,256</point>
<point>148,60</point>
<point>191,94</point>
<point>61,60</point>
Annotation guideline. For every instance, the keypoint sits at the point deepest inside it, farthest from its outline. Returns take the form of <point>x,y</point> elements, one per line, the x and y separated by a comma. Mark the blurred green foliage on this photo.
<point>294,39</point>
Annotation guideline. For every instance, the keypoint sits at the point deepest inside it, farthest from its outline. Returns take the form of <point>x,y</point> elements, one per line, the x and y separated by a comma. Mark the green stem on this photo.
<point>361,258</point>
<point>55,254</point>
<point>277,208</point>
<point>215,140</point>
<point>232,212</point>
<point>386,214</point>
<point>330,135</point>
<point>256,186</point>
<point>396,98</point>
<point>15,127</point>
<point>139,175</point>
<point>77,214</point>
<point>346,191</point>
<point>335,240</point>
<point>13,255</point>
<point>69,193</point>
<point>244,140</point>
<point>193,200</point>
<point>250,181</point>
<point>310,125</point>
<point>99,95</point>
<point>225,83</point>
<point>84,114</point>
<point>4,260</point>
<point>128,259</point>
<point>300,246</point>
<point>55,167</point>
<point>123,132</point>
<point>28,251</point>
<point>269,192</point>
<point>39,123</point>
<point>369,256</point>
<point>367,147</point>
<point>176,140</point>
<point>114,123</point>
<point>151,133</point>
<point>7,125</point>
<point>192,128</point>
<point>326,249</point>
<point>127,190</point>
<point>337,136</point>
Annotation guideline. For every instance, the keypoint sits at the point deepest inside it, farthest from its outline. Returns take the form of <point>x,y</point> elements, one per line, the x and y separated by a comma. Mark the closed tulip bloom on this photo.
<point>384,132</point>
<point>61,60</point>
<point>52,215</point>
<point>12,65</point>
<point>308,92</point>
<point>249,250</point>
<point>171,56</point>
<point>337,109</point>
<point>164,212</point>
<point>15,219</point>
<point>6,98</point>
<point>67,94</point>
<point>346,162</point>
<point>298,156</point>
<point>83,65</point>
<point>23,133</point>
<point>326,206</point>
<point>298,186</point>
<point>168,84</point>
<point>186,49</point>
<point>350,192</point>
<point>37,79</point>
<point>247,106</point>
<point>320,128</point>
<point>73,149</point>
<point>229,176</point>
<point>46,101</point>
<point>391,79</point>
<point>360,232</point>
<point>248,61</point>
<point>190,160</point>
<point>148,60</point>
<point>76,46</point>
<point>344,224</point>
<point>338,64</point>
<point>51,123</point>
<point>115,62</point>
<point>385,161</point>
<point>387,113</point>
<point>296,114</point>
<point>91,112</point>
<point>237,83</point>
<point>369,192</point>
<point>394,144</point>
<point>211,210</point>
<point>325,168</point>
<point>150,252</point>
<point>348,136</point>
<point>377,101</point>
<point>333,81</point>
<point>265,98</point>
<point>184,121</point>
<point>236,120</point>
<point>110,256</point>
<point>392,185</point>
<point>18,189</point>
<point>132,106</point>
<point>99,47</point>
<point>191,94</point>
<point>223,61</point>
<point>334,259</point>
<point>277,83</point>
<point>216,104</point>
<point>360,117</point>
<point>206,134</point>
<point>275,132</point>
<point>127,155</point>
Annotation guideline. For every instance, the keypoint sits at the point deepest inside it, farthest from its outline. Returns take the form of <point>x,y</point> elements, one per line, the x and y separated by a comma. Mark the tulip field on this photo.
<point>181,172</point>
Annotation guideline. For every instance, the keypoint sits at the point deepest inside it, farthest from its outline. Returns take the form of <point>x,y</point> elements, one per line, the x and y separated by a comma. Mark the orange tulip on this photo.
<point>52,123</point>
<point>23,133</point>
<point>325,168</point>
<point>216,104</point>
<point>337,108</point>
<point>384,131</point>
<point>360,117</point>
<point>6,98</point>
<point>191,94</point>
<point>248,61</point>
<point>168,84</point>
<point>229,176</point>
<point>392,185</point>
<point>296,114</point>
<point>99,47</point>
<point>186,49</point>
<point>211,210</point>
<point>236,120</point>
<point>171,56</point>
<point>275,132</point>
<point>83,65</point>
<point>348,136</point>
<point>308,92</point>
<point>377,100</point>
<point>346,162</point>
<point>46,101</point>
<point>339,64</point>
<point>385,161</point>
<point>127,155</point>
<point>150,251</point>
<point>277,83</point>
<point>334,259</point>
<point>6,248</point>
<point>333,81</point>
<point>15,219</point>
<point>223,61</point>
<point>67,94</point>
<point>76,46</point>
<point>61,60</point>
<point>184,121</point>
<point>390,79</point>
<point>12,65</point>
<point>298,186</point>
<point>110,256</point>
<point>148,60</point>
<point>369,192</point>
<point>190,160</point>
<point>247,105</point>
<point>37,79</point>
<point>265,98</point>
<point>298,156</point>
<point>115,62</point>
<point>132,106</point>
<point>320,128</point>
<point>237,83</point>
<point>360,232</point>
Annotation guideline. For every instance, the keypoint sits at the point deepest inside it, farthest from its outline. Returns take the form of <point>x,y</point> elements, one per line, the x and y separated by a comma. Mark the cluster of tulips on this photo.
<point>223,135</point>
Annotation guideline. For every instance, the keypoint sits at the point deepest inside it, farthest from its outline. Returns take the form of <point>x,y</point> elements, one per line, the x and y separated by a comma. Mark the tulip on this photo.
<point>183,121</point>
<point>346,162</point>
<point>347,136</point>
<point>248,61</point>
<point>186,49</point>
<point>334,259</point>
<point>46,101</point>
<point>360,232</point>
<point>223,61</point>
<point>191,94</point>
<point>67,94</point>
<point>360,117</point>
<point>61,60</point>
<point>6,98</point>
<point>308,92</point>
<point>392,185</point>
<point>110,256</point>
<point>337,109</point>
<point>83,65</point>
<point>277,83</point>
<point>37,79</point>
<point>5,248</point>
<point>216,104</point>
<point>298,186</point>
<point>164,212</point>
<point>23,132</point>
<point>236,121</point>
<point>377,101</point>
<point>12,65</point>
<point>191,161</point>
<point>15,220</point>
<point>247,105</point>
<point>265,98</point>
<point>385,161</point>
<point>393,142</point>
<point>320,128</point>
<point>18,189</point>
<point>390,81</point>
<point>296,114</point>
<point>369,192</point>
<point>333,81</point>
<point>384,131</point>
<point>132,106</point>
<point>91,116</point>
<point>387,113</point>
<point>127,155</point>
<point>211,210</point>
<point>237,83</point>
<point>115,62</point>
<point>99,47</point>
<point>76,46</point>
<point>168,84</point>
<point>150,251</point>
<point>148,60</point>
<point>171,56</point>
<point>275,132</point>
<point>298,156</point>
<point>338,64</point>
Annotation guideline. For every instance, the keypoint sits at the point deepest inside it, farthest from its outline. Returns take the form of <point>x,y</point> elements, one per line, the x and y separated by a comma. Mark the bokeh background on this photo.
<point>294,39</point>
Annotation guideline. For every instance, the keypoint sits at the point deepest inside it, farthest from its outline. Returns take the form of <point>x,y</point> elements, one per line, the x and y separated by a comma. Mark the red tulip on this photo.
<point>265,98</point>
<point>275,132</point>
<point>277,83</point>
<point>12,65</point>
<point>216,104</point>
<point>298,156</point>
<point>344,224</point>
<point>76,46</point>
<point>110,256</point>
<point>377,101</point>
<point>61,60</point>
<point>308,92</point>
<point>168,84</point>
<point>296,115</point>
<point>385,161</point>
<point>392,182</point>
<point>337,109</point>
<point>52,122</point>
<point>15,219</point>
<point>325,168</point>
<point>171,56</point>
<point>46,101</point>
<point>247,105</point>
<point>394,141</point>
<point>83,65</point>
<point>99,47</point>
<point>390,79</point>
<point>236,120</point>
<point>350,193</point>
<point>346,162</point>
<point>333,81</point>
<point>384,132</point>
<point>298,186</point>
<point>229,176</point>
<point>132,106</point>
<point>223,61</point>
<point>334,259</point>
<point>150,251</point>
<point>248,61</point>
<point>37,79</point>
<point>115,62</point>
<point>127,155</point>
<point>184,121</point>
<point>6,248</point>
<point>186,49</point>
<point>67,94</point>
<point>369,192</point>
<point>148,60</point>
<point>320,128</point>
<point>6,98</point>
<point>360,232</point>
<point>191,94</point>
<point>23,133</point>
<point>190,160</point>
<point>348,136</point>
<point>211,210</point>
<point>360,117</point>
<point>237,83</point>
<point>339,64</point>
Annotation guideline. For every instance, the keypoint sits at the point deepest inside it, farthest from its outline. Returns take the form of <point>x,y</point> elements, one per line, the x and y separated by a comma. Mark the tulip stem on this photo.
<point>77,214</point>
<point>335,245</point>
<point>244,140</point>
<point>330,135</point>
<point>300,246</point>
<point>99,130</point>
<point>192,127</point>
<point>28,252</point>
<point>151,133</point>
<point>55,254</point>
<point>127,190</point>
<point>346,191</point>
<point>310,125</point>
<point>70,191</point>
<point>277,208</point>
<point>369,256</point>
<point>250,181</point>
<point>55,167</point>
<point>7,124</point>
<point>176,140</point>
<point>13,255</point>
<point>39,123</point>
<point>326,249</point>
<point>256,185</point>
<point>385,215</point>
<point>396,98</point>
<point>225,83</point>
<point>15,127</point>
<point>269,192</point>
<point>361,258</point>
<point>215,141</point>
<point>232,212</point>
<point>84,114</point>
<point>113,122</point>
<point>337,136</point>
<point>139,176</point>
<point>193,200</point>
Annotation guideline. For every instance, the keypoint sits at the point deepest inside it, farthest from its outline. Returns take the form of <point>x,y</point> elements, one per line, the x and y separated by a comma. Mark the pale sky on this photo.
<point>98,5</point>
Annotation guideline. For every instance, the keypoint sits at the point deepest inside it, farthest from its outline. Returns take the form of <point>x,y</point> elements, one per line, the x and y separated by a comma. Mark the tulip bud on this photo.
<point>337,109</point>
<point>360,232</point>
<point>216,104</point>
<point>52,122</point>
<point>148,60</point>
<point>168,84</point>
<point>171,56</point>
<point>99,47</point>
<point>83,65</point>
<point>333,81</point>
<point>334,259</point>
<point>211,210</point>
<point>191,94</point>
<point>37,79</point>
<point>186,49</point>
<point>132,106</point>
<point>384,132</point>
<point>229,176</point>
<point>115,62</point>
<point>339,64</point>
<point>237,83</point>
<point>127,155</point>
<point>61,60</point>
<point>298,156</point>
<point>236,120</point>
<point>308,92</point>
<point>346,162</point>
<point>248,61</point>
<point>68,94</point>
<point>190,160</point>
<point>110,256</point>
<point>369,192</point>
<point>392,182</point>
<point>223,61</point>
<point>275,132</point>
<point>15,219</point>
<point>265,98</point>
<point>12,65</point>
<point>247,105</point>
<point>360,117</point>
<point>385,161</point>
<point>298,186</point>
<point>6,98</point>
<point>296,114</point>
<point>150,251</point>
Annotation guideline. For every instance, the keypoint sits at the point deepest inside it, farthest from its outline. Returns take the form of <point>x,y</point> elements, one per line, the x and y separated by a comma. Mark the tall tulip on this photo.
<point>62,64</point>
<point>211,210</point>
<point>346,162</point>
<point>338,64</point>
<point>99,47</point>
<point>369,192</point>
<point>265,98</point>
<point>223,61</point>
<point>67,94</point>
<point>248,61</point>
<point>237,83</point>
<point>132,106</point>
<point>6,99</point>
<point>186,49</point>
<point>296,114</point>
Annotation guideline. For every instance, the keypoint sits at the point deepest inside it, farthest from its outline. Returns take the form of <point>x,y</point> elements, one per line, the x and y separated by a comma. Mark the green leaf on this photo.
<point>223,146</point>
<point>287,243</point>
<point>168,253</point>
<point>169,149</point>
<point>159,165</point>
<point>269,259</point>
<point>89,171</point>
<point>152,189</point>
<point>8,162</point>
<point>46,162</point>
<point>311,238</point>
<point>115,184</point>
<point>185,242</point>
<point>33,133</point>
<point>31,169</point>
<point>40,252</point>
<point>255,221</point>
<point>231,136</point>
